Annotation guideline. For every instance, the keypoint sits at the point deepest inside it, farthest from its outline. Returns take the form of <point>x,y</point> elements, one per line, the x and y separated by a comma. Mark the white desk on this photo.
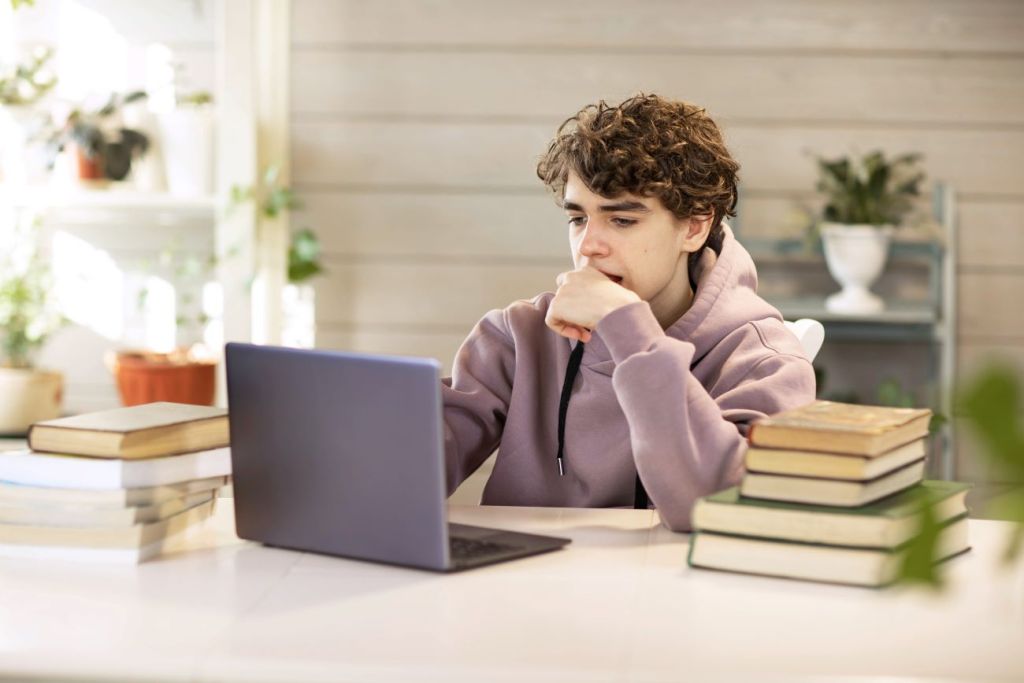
<point>618,604</point>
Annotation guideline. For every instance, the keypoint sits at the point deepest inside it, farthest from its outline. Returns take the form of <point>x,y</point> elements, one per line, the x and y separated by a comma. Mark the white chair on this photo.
<point>811,334</point>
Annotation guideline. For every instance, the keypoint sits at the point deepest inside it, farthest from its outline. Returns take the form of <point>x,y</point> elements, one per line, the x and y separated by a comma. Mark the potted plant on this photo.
<point>28,315</point>
<point>866,198</point>
<point>304,259</point>
<point>100,147</point>
<point>185,373</point>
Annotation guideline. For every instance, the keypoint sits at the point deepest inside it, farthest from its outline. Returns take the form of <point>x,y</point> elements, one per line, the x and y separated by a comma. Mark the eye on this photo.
<point>623,222</point>
<point>577,221</point>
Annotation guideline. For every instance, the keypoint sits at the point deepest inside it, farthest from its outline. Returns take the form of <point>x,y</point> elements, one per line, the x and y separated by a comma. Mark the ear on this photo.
<point>697,229</point>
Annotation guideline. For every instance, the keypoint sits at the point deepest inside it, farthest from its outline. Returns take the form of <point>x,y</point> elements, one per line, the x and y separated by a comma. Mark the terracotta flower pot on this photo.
<point>144,377</point>
<point>89,168</point>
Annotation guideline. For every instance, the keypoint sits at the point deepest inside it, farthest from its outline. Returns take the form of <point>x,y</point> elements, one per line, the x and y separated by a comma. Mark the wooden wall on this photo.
<point>416,127</point>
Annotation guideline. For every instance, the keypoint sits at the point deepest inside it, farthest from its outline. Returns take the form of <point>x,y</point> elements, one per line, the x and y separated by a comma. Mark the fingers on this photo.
<point>568,330</point>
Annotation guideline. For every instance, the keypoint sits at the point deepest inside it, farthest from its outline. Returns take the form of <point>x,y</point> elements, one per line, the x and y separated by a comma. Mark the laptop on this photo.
<point>343,454</point>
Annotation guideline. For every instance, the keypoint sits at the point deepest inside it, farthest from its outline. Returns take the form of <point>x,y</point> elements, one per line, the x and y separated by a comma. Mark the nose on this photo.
<point>593,242</point>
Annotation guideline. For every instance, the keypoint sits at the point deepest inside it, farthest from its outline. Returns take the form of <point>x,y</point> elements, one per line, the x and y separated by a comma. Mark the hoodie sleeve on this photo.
<point>476,397</point>
<point>686,442</point>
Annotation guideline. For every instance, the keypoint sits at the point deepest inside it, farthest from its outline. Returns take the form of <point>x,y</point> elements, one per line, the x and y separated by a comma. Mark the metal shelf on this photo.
<point>930,322</point>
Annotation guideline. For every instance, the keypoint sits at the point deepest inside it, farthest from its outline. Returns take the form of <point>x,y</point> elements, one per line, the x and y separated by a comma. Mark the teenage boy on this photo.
<point>635,382</point>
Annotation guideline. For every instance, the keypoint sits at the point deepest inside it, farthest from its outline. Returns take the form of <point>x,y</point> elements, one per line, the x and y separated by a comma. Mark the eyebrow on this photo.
<point>610,208</point>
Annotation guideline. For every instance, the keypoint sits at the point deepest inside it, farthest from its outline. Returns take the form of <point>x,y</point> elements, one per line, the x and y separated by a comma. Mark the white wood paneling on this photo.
<point>437,224</point>
<point>991,235</point>
<point>974,355</point>
<point>744,86</point>
<point>426,295</point>
<point>440,345</point>
<point>944,26</point>
<point>990,306</point>
<point>503,156</point>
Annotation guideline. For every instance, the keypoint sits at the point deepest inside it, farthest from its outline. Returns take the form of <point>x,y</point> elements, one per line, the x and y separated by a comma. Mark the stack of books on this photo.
<point>833,492</point>
<point>113,485</point>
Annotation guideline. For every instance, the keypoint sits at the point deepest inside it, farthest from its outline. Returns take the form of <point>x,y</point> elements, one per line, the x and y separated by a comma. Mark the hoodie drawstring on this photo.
<point>640,499</point>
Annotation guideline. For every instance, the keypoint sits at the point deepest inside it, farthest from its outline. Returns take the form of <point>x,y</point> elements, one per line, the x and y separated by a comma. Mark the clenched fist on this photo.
<point>582,299</point>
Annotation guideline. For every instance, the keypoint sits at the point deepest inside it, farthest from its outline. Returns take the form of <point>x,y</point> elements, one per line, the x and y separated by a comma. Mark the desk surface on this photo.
<point>619,604</point>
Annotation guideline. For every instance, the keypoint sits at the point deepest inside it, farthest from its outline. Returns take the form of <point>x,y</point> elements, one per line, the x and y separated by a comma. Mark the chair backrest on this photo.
<point>811,334</point>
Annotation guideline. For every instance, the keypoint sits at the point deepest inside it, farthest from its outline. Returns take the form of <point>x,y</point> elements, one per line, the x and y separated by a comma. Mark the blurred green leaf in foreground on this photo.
<point>991,405</point>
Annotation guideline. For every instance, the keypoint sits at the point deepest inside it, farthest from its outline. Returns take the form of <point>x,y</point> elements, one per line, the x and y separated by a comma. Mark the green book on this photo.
<point>871,567</point>
<point>886,523</point>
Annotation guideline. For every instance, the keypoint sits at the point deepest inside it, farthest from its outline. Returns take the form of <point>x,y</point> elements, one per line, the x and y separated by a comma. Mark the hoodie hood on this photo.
<point>726,299</point>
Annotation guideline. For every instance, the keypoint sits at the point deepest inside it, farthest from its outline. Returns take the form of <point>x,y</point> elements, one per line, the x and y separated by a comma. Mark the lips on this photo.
<point>614,278</point>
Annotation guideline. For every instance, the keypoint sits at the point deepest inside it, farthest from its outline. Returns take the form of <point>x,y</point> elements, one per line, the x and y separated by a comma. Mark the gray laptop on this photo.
<point>343,454</point>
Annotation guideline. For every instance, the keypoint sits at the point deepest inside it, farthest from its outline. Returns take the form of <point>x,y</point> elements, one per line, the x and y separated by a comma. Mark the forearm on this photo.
<point>686,437</point>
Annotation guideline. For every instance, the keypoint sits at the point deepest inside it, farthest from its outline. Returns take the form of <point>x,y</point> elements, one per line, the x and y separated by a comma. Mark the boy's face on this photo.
<point>635,241</point>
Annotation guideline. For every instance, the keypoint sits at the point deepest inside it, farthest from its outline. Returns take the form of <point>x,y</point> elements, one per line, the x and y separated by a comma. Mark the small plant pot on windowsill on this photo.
<point>26,396</point>
<point>145,377</point>
<point>855,256</point>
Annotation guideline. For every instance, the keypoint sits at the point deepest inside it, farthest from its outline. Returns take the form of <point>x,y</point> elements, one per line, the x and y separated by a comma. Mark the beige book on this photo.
<point>830,491</point>
<point>89,516</point>
<point>118,498</point>
<point>832,465</point>
<point>144,431</point>
<point>841,428</point>
<point>134,536</point>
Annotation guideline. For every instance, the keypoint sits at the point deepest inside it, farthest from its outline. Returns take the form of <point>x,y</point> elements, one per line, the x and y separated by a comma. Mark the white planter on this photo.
<point>298,308</point>
<point>855,256</point>
<point>186,141</point>
<point>28,396</point>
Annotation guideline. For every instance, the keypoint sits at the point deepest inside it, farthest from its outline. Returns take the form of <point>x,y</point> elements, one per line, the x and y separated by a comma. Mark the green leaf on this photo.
<point>303,256</point>
<point>991,402</point>
<point>918,565</point>
<point>869,189</point>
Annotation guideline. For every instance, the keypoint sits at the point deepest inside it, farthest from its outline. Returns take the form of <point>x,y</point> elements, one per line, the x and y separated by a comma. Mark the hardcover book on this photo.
<point>90,516</point>
<point>129,536</point>
<point>144,431</point>
<point>55,470</point>
<point>886,523</point>
<point>841,428</point>
<point>832,465</point>
<point>830,491</point>
<point>833,564</point>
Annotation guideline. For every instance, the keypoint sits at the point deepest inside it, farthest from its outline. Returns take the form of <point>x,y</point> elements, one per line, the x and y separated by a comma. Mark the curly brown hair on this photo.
<point>649,147</point>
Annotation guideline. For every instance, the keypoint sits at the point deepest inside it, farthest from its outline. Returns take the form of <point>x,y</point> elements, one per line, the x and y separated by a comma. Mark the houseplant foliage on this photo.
<point>22,85</point>
<point>26,83</point>
<point>991,403</point>
<point>27,311</point>
<point>105,149</point>
<point>870,190</point>
<point>273,200</point>
<point>865,199</point>
<point>304,258</point>
<point>28,315</point>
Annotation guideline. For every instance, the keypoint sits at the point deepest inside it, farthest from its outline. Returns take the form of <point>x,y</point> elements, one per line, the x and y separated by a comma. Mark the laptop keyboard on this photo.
<point>470,548</point>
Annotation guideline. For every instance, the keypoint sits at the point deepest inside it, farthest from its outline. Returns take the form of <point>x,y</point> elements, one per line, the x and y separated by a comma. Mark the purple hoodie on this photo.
<point>670,405</point>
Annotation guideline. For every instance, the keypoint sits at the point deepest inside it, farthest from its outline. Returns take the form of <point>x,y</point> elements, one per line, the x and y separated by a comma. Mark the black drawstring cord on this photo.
<point>563,405</point>
<point>640,499</point>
